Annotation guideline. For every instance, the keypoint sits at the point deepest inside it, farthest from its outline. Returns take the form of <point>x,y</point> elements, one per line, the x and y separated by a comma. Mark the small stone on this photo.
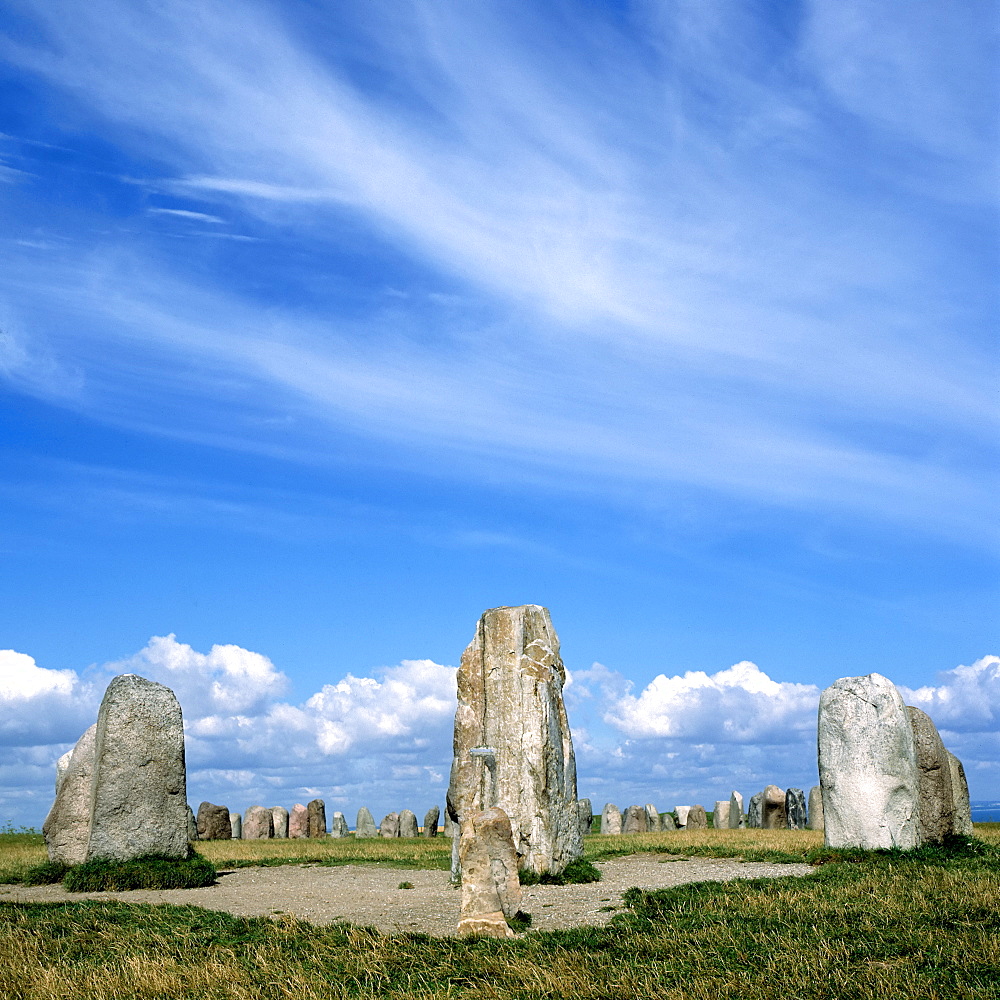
<point>772,809</point>
<point>365,827</point>
<point>682,816</point>
<point>795,808</point>
<point>720,815</point>
<point>316,817</point>
<point>408,824</point>
<point>431,821</point>
<point>696,819</point>
<point>586,814</point>
<point>338,825</point>
<point>960,789</point>
<point>279,817</point>
<point>491,889</point>
<point>634,820</point>
<point>258,823</point>
<point>815,808</point>
<point>236,825</point>
<point>653,823</point>
<point>389,827</point>
<point>214,822</point>
<point>667,822</point>
<point>737,820</point>
<point>192,825</point>
<point>936,796</point>
<point>298,821</point>
<point>754,810</point>
<point>67,826</point>
<point>611,819</point>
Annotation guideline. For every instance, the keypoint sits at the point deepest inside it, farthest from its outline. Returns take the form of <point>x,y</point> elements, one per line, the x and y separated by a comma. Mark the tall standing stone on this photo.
<point>298,821</point>
<point>258,823</point>
<point>279,817</point>
<point>139,787</point>
<point>682,816</point>
<point>431,821</point>
<point>408,824</point>
<point>316,818</point>
<point>586,813</point>
<point>653,823</point>
<point>772,809</point>
<point>815,821</point>
<point>936,796</point>
<point>720,815</point>
<point>365,826</point>
<point>214,822</point>
<point>755,810</point>
<point>236,825</point>
<point>960,789</point>
<point>389,827</point>
<point>634,820</point>
<point>867,765</point>
<point>611,819</point>
<point>795,808</point>
<point>338,825</point>
<point>491,889</point>
<point>510,684</point>
<point>696,819</point>
<point>67,826</point>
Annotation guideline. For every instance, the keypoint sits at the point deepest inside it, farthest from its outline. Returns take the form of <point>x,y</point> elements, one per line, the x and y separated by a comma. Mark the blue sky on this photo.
<point>324,327</point>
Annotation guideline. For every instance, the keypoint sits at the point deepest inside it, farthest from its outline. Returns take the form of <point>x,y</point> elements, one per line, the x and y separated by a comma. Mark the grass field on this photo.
<point>922,926</point>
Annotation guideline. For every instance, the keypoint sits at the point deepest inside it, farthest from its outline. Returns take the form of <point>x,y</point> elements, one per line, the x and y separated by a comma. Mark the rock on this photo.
<point>236,825</point>
<point>67,826</point>
<point>510,684</point>
<point>736,817</point>
<point>298,821</point>
<point>258,823</point>
<point>408,824</point>
<point>431,821</point>
<point>754,810</point>
<point>139,785</point>
<point>653,824</point>
<point>338,825</point>
<point>682,816</point>
<point>192,825</point>
<point>795,808</point>
<point>316,818</point>
<point>491,889</point>
<point>696,819</point>
<point>214,822</point>
<point>936,798</point>
<point>585,811</point>
<point>634,820</point>
<point>279,817</point>
<point>960,789</point>
<point>389,827</point>
<point>772,809</point>
<point>867,765</point>
<point>449,825</point>
<point>720,815</point>
<point>815,821</point>
<point>365,826</point>
<point>62,765</point>
<point>667,822</point>
<point>611,819</point>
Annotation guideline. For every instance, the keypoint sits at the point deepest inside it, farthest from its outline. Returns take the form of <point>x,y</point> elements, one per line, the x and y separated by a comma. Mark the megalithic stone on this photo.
<point>258,823</point>
<point>389,827</point>
<point>316,817</point>
<point>408,824</point>
<point>682,816</point>
<point>960,789</point>
<point>365,827</point>
<point>62,766</point>
<point>431,821</point>
<point>279,818</point>
<point>720,815</point>
<point>795,808</point>
<point>772,809</point>
<point>491,889</point>
<point>867,765</point>
<point>634,820</point>
<point>815,821</point>
<point>586,813</point>
<point>139,789</point>
<point>67,826</point>
<point>510,684</point>
<point>696,819</point>
<point>736,817</point>
<point>936,796</point>
<point>755,810</point>
<point>652,818</point>
<point>192,823</point>
<point>667,822</point>
<point>611,819</point>
<point>338,825</point>
<point>298,821</point>
<point>214,822</point>
<point>236,825</point>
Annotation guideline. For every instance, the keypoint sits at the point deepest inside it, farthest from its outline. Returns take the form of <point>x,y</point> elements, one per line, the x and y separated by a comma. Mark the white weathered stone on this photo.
<point>67,826</point>
<point>611,819</point>
<point>338,825</point>
<point>389,827</point>
<point>681,812</point>
<point>960,789</point>
<point>62,765</point>
<point>653,823</point>
<point>634,820</point>
<point>815,821</point>
<point>720,815</point>
<point>365,827</point>
<point>408,824</point>
<point>258,823</point>
<point>139,787</point>
<point>867,765</point>
<point>736,817</point>
<point>236,825</point>
<point>936,796</point>
<point>510,683</point>
<point>279,821</point>
<point>491,889</point>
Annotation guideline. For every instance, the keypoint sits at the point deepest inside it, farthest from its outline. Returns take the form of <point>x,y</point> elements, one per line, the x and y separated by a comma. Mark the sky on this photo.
<point>325,327</point>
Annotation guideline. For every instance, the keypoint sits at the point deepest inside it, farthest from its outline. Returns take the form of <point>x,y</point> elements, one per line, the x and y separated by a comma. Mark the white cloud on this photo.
<point>966,701</point>
<point>183,213</point>
<point>21,678</point>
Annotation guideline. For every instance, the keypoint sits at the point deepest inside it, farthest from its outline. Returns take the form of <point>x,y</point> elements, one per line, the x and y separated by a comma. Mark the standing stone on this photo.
<point>298,821</point>
<point>258,823</point>
<point>279,817</point>
<point>682,816</point>
<point>815,808</point>
<point>62,765</point>
<point>720,815</point>
<point>960,789</point>
<point>611,819</point>
<point>449,825</point>
<point>754,810</point>
<point>696,819</point>
<point>389,827</point>
<point>653,823</point>
<point>667,822</point>
<point>772,809</point>
<point>236,825</point>
<point>338,825</point>
<point>736,818</point>
<point>431,821</point>
<point>867,765</point>
<point>214,822</point>
<point>192,825</point>
<point>67,826</point>
<point>586,813</point>
<point>936,796</point>
<point>510,684</point>
<point>491,890</point>
<point>316,818</point>
<point>634,820</point>
<point>408,824</point>
<point>365,827</point>
<point>795,808</point>
<point>139,787</point>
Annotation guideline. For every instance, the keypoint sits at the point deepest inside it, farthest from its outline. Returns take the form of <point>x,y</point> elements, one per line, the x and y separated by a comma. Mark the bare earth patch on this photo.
<point>369,895</point>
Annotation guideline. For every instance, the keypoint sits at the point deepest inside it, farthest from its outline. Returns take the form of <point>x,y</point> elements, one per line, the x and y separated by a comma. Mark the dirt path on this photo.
<point>369,895</point>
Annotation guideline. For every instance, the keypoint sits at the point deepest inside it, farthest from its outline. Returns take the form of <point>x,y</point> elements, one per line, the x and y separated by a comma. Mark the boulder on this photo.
<point>754,810</point>
<point>960,789</point>
<point>681,812</point>
<point>936,797</point>
<point>772,809</point>
<point>258,823</point>
<point>653,823</point>
<point>431,821</point>
<point>491,889</point>
<point>449,825</point>
<point>634,820</point>
<point>338,825</point>
<point>586,813</point>
<point>408,824</point>
<point>214,822</point>
<point>67,826</point>
<point>720,815</point>
<point>236,825</point>
<point>815,821</point>
<point>611,819</point>
<point>696,819</point>
<point>138,802</point>
<point>279,817</point>
<point>867,765</point>
<point>736,817</point>
<point>192,825</point>
<point>795,808</point>
<point>510,698</point>
<point>298,821</point>
<point>365,826</point>
<point>667,822</point>
<point>316,818</point>
<point>389,827</point>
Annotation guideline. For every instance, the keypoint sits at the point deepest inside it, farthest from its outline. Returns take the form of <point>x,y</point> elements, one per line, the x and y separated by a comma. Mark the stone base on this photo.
<point>486,924</point>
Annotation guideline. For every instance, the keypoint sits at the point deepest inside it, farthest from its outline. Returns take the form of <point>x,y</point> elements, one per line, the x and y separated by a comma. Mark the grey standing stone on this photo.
<point>67,826</point>
<point>139,789</point>
<point>755,810</point>
<point>586,813</point>
<point>611,819</point>
<point>867,765</point>
<point>736,817</point>
<point>298,822</point>
<point>214,822</point>
<point>510,698</point>
<point>389,827</point>
<point>365,827</point>
<point>815,808</point>
<point>338,825</point>
<point>258,823</point>
<point>236,825</point>
<point>316,818</point>
<point>795,808</point>
<point>192,825</point>
<point>491,889</point>
<point>772,809</point>
<point>431,821</point>
<point>696,819</point>
<point>682,816</point>
<point>936,796</point>
<point>279,817</point>
<point>62,765</point>
<point>720,815</point>
<point>960,789</point>
<point>408,824</point>
<point>667,822</point>
<point>634,820</point>
<point>653,823</point>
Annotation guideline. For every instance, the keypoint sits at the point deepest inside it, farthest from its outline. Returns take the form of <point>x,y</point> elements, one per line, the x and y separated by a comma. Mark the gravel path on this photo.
<point>369,895</point>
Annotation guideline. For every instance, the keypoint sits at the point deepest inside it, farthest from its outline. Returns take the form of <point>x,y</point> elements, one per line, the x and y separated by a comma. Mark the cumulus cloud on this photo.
<point>21,678</point>
<point>966,700</point>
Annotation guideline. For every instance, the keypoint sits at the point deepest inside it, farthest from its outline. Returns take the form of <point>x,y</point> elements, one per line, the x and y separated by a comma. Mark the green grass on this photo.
<point>154,871</point>
<point>575,873</point>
